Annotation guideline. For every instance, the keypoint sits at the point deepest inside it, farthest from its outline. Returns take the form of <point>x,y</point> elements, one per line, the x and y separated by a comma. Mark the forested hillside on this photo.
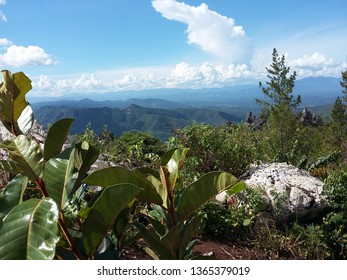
<point>160,122</point>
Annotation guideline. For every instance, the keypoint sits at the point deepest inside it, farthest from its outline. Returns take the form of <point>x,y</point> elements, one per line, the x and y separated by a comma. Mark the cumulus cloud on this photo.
<point>182,75</point>
<point>207,75</point>
<point>18,56</point>
<point>84,83</point>
<point>315,61</point>
<point>316,64</point>
<point>137,81</point>
<point>211,31</point>
<point>87,82</point>
<point>4,42</point>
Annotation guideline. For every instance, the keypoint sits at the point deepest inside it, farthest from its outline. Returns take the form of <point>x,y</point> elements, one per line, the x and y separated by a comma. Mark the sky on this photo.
<point>88,46</point>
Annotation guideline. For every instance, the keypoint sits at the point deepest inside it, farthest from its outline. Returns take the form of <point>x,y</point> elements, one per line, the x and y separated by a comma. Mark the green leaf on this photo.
<point>246,222</point>
<point>117,175</point>
<point>56,137</point>
<point>191,229</point>
<point>104,212</point>
<point>173,161</point>
<point>121,222</point>
<point>30,231</point>
<point>11,195</point>
<point>201,191</point>
<point>238,187</point>
<point>26,120</point>
<point>154,242</point>
<point>81,157</point>
<point>12,99</point>
<point>57,176</point>
<point>25,157</point>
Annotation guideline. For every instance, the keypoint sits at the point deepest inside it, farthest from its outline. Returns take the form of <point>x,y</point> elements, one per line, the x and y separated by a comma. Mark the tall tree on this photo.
<point>280,87</point>
<point>279,104</point>
<point>338,123</point>
<point>344,85</point>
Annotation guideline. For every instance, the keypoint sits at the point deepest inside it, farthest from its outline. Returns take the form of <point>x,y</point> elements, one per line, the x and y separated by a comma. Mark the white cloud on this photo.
<point>2,2</point>
<point>208,75</point>
<point>137,81</point>
<point>315,61</point>
<point>316,64</point>
<point>18,56</point>
<point>212,32</point>
<point>182,75</point>
<point>5,42</point>
<point>3,17</point>
<point>87,82</point>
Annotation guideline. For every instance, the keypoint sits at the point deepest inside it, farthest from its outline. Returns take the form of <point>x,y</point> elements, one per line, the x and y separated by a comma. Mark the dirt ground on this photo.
<point>221,251</point>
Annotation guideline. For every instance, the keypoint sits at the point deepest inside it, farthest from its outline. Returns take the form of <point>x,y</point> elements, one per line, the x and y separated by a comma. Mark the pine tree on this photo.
<point>344,85</point>
<point>280,87</point>
<point>280,103</point>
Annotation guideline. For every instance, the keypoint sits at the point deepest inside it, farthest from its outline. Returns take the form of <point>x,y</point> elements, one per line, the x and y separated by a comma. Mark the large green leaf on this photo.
<point>190,230</point>
<point>12,98</point>
<point>56,137</point>
<point>26,120</point>
<point>173,161</point>
<point>11,195</point>
<point>202,190</point>
<point>26,157</point>
<point>104,212</point>
<point>154,241</point>
<point>83,156</point>
<point>117,175</point>
<point>57,176</point>
<point>30,231</point>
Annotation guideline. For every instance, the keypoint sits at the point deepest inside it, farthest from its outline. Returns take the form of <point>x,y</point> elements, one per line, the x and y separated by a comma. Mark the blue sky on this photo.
<point>75,46</point>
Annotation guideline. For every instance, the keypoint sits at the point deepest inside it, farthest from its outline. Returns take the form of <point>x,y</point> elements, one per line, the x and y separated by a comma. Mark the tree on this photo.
<point>338,122</point>
<point>279,105</point>
<point>280,87</point>
<point>344,84</point>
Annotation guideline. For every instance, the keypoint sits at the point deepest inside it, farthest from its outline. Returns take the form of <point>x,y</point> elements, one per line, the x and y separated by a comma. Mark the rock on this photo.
<point>253,121</point>
<point>292,194</point>
<point>4,133</point>
<point>37,133</point>
<point>308,118</point>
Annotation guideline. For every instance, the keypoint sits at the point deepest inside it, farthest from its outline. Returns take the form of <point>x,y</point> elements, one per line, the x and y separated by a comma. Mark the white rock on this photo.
<point>292,193</point>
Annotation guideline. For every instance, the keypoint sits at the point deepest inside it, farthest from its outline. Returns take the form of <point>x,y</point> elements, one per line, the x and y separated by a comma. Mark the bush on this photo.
<point>220,148</point>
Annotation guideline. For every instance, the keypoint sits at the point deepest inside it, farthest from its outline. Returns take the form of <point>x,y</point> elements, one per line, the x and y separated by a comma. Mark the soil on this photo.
<point>207,247</point>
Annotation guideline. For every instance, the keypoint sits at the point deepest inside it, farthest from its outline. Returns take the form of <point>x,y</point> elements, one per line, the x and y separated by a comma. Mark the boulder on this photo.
<point>291,193</point>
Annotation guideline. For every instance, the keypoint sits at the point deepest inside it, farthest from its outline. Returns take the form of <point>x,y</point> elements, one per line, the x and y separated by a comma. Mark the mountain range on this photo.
<point>160,110</point>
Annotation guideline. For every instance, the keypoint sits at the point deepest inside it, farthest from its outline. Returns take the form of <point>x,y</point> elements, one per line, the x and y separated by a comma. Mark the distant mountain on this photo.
<point>318,91</point>
<point>158,121</point>
<point>89,103</point>
<point>315,91</point>
<point>159,110</point>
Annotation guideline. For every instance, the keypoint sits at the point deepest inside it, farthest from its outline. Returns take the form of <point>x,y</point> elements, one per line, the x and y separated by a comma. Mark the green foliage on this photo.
<point>335,222</point>
<point>219,148</point>
<point>30,230</point>
<point>280,104</point>
<point>177,221</point>
<point>344,84</point>
<point>48,227</point>
<point>301,242</point>
<point>280,87</point>
<point>15,112</point>
<point>235,218</point>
